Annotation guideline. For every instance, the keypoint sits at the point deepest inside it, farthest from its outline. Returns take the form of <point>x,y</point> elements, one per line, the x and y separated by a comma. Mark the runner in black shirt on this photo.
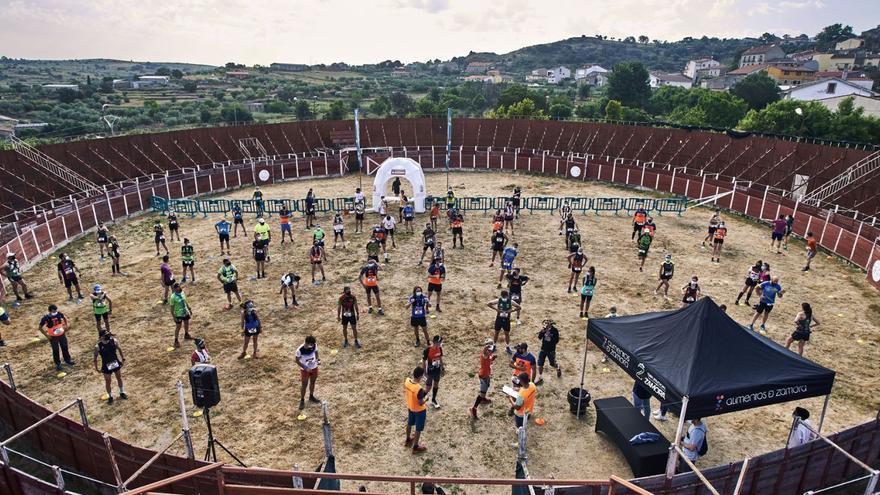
<point>549,336</point>
<point>112,359</point>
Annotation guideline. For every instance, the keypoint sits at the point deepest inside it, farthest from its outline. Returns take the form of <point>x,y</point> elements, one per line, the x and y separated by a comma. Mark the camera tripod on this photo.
<point>211,452</point>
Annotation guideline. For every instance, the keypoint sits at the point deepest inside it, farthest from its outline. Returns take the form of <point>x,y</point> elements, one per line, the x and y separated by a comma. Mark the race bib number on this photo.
<point>113,365</point>
<point>588,291</point>
<point>690,299</point>
<point>252,330</point>
<point>57,331</point>
<point>419,311</point>
<point>503,314</point>
<point>347,314</point>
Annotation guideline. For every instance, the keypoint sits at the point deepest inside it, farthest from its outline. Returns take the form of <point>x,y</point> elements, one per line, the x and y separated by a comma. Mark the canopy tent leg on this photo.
<point>673,454</point>
<point>824,411</point>
<point>583,372</point>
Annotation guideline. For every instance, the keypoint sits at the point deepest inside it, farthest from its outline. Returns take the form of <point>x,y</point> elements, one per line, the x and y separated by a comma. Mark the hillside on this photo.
<point>575,52</point>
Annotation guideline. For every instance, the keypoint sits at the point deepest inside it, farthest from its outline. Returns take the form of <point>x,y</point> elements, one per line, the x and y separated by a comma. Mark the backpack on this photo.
<point>704,449</point>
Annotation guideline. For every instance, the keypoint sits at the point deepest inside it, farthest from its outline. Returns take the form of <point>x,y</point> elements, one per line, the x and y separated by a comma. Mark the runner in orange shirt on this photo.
<point>369,279</point>
<point>718,241</point>
<point>812,249</point>
<point>487,357</point>
<point>417,411</point>
<point>284,216</point>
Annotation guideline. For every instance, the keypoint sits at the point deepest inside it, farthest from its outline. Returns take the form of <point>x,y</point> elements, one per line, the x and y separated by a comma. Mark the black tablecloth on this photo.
<point>618,419</point>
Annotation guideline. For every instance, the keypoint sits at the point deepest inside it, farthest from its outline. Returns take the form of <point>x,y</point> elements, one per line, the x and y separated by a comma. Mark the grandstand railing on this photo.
<point>845,233</point>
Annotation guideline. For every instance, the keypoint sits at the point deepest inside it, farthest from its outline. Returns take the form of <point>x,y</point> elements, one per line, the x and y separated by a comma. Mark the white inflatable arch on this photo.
<point>406,168</point>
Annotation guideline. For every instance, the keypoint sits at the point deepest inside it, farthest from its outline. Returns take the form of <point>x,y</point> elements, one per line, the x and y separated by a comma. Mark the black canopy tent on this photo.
<point>700,362</point>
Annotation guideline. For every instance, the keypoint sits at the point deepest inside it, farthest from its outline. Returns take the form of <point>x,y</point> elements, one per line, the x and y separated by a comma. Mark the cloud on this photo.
<point>432,6</point>
<point>789,4</point>
<point>763,9</point>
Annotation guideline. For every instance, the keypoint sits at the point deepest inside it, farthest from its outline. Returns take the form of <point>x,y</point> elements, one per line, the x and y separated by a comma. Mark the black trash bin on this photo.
<point>573,396</point>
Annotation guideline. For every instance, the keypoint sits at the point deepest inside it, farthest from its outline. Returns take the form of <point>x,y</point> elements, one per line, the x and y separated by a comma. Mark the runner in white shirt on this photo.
<point>358,196</point>
<point>308,362</point>
<point>388,223</point>
<point>338,230</point>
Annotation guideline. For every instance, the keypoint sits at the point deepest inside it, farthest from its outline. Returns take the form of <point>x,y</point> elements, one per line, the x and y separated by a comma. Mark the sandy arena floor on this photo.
<point>257,417</point>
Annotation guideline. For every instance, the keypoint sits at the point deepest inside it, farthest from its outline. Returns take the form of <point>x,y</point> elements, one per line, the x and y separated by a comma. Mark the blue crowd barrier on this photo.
<point>541,203</point>
<point>582,205</point>
<point>670,205</point>
<point>608,204</point>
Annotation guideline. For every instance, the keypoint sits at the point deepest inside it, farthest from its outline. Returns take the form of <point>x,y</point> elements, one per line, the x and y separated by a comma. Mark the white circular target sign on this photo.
<point>264,175</point>
<point>875,271</point>
<point>575,171</point>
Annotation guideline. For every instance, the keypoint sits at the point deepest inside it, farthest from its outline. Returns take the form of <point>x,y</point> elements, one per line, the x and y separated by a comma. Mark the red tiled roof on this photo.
<point>759,49</point>
<point>749,69</point>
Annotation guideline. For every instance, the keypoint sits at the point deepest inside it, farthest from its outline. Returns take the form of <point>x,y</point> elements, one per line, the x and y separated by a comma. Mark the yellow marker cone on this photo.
<point>334,352</point>
<point>433,316</point>
<point>584,318</point>
<point>61,374</point>
<point>840,314</point>
<point>860,341</point>
<point>248,356</point>
<point>36,339</point>
<point>159,302</point>
<point>197,414</point>
<point>170,349</point>
<point>301,417</point>
<point>606,370</point>
<point>105,397</point>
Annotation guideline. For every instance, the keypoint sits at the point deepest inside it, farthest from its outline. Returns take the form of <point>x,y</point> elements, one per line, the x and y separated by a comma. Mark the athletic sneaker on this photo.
<point>408,442</point>
<point>302,405</point>
<point>122,395</point>
<point>763,327</point>
<point>357,344</point>
<point>474,413</point>
<point>419,449</point>
<point>659,417</point>
<point>435,404</point>
<point>558,372</point>
<point>314,399</point>
<point>370,309</point>
<point>380,312</point>
<point>507,350</point>
<point>418,343</point>
<point>345,343</point>
<point>2,343</point>
<point>109,400</point>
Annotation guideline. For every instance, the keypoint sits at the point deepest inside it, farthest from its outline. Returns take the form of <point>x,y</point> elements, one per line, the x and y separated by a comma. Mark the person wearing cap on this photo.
<point>54,326</point>
<point>644,245</point>
<point>228,276</point>
<point>487,357</point>
<point>308,361</point>
<point>667,271</point>
<point>67,275</point>
<point>102,307</point>
<point>417,411</point>
<point>112,360</point>
<point>181,313</point>
<point>12,271</point>
<point>524,403</point>
<point>200,355</point>
<point>222,229</point>
<point>264,233</point>
<point>347,312</point>
<point>432,358</point>
<point>802,432</point>
<point>318,235</point>
<point>523,361</point>
<point>251,327</point>
<point>767,291</point>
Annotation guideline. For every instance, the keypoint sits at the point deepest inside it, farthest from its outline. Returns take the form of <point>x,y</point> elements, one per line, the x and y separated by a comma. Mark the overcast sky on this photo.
<point>367,31</point>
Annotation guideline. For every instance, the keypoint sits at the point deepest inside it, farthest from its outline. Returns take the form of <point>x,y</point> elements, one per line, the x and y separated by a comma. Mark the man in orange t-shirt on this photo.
<point>812,249</point>
<point>417,411</point>
<point>487,357</point>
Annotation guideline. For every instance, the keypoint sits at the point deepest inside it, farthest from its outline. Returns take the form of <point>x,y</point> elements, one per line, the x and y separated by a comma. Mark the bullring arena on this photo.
<point>748,177</point>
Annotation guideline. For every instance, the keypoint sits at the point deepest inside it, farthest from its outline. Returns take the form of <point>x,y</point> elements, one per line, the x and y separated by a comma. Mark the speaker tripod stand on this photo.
<point>211,452</point>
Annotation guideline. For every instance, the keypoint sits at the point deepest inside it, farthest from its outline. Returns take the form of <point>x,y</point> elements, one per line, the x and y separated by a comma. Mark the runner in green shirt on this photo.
<point>187,257</point>
<point>181,313</point>
<point>102,306</point>
<point>228,276</point>
<point>373,247</point>
<point>645,240</point>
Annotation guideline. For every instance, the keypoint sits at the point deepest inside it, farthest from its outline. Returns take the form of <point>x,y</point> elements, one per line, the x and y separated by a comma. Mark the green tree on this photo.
<point>205,116</point>
<point>163,71</point>
<point>303,110</point>
<point>832,34</point>
<point>561,110</point>
<point>758,90</point>
<point>380,106</point>
<point>401,103</point>
<point>106,85</point>
<point>781,117</point>
<point>583,91</point>
<point>722,109</point>
<point>628,84</point>
<point>190,86</point>
<point>523,109</point>
<point>614,110</point>
<point>66,95</point>
<point>337,110</point>
<point>235,113</point>
<point>176,74</point>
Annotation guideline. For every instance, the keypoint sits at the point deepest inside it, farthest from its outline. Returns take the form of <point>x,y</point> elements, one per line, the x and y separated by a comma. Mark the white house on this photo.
<point>870,106</point>
<point>658,79</point>
<point>61,86</point>
<point>558,74</point>
<point>827,88</point>
<point>587,71</point>
<point>702,67</point>
<point>848,44</point>
<point>760,55</point>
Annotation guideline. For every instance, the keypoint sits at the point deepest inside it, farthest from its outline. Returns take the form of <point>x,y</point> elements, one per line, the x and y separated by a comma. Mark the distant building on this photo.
<point>855,77</point>
<point>150,82</point>
<point>760,54</point>
<point>702,68</point>
<point>802,56</point>
<point>56,87</point>
<point>238,74</point>
<point>537,75</point>
<point>721,83</point>
<point>289,67</point>
<point>791,76</point>
<point>871,60</point>
<point>602,78</point>
<point>254,106</point>
<point>558,74</point>
<point>747,70</point>
<point>869,106</point>
<point>589,71</point>
<point>477,67</point>
<point>7,126</point>
<point>835,61</point>
<point>122,84</point>
<point>827,88</point>
<point>659,79</point>
<point>847,45</point>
